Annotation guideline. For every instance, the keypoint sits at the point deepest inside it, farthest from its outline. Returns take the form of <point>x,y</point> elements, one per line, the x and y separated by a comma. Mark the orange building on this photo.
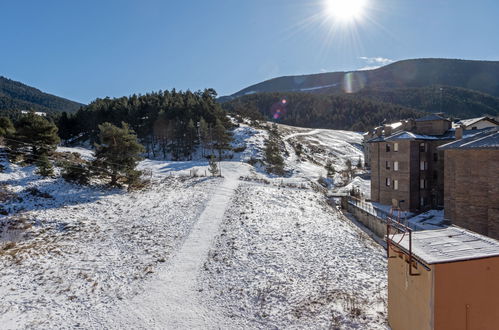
<point>451,284</point>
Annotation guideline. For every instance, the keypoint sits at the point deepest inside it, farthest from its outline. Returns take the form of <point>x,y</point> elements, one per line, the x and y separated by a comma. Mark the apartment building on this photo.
<point>406,166</point>
<point>471,181</point>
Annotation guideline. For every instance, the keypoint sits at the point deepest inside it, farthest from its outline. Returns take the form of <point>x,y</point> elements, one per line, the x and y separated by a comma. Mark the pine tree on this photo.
<point>273,157</point>
<point>220,138</point>
<point>37,137</point>
<point>330,169</point>
<point>359,163</point>
<point>44,166</point>
<point>349,169</point>
<point>191,137</point>
<point>204,135</point>
<point>118,153</point>
<point>213,168</point>
<point>6,127</point>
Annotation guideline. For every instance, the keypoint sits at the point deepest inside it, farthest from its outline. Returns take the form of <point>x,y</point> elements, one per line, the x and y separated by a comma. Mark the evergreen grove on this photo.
<point>167,124</point>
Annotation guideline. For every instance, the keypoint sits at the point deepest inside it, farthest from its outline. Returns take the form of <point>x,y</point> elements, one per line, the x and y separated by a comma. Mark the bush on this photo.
<point>78,173</point>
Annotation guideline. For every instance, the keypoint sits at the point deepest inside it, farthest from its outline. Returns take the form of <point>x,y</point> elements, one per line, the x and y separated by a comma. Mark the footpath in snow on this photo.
<point>172,300</point>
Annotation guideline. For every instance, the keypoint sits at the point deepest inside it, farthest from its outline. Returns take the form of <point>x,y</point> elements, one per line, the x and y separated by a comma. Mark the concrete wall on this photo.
<point>375,224</point>
<point>409,297</point>
<point>471,189</point>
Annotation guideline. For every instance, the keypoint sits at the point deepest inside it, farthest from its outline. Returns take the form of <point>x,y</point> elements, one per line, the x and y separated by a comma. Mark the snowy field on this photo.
<point>71,250</point>
<point>286,259</point>
<point>248,250</point>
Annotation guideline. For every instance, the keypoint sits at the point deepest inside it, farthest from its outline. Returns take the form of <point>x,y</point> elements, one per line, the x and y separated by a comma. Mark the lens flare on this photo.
<point>278,109</point>
<point>354,82</point>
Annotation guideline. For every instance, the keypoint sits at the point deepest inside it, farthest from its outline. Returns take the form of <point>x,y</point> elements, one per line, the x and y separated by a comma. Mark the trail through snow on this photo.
<point>314,132</point>
<point>171,300</point>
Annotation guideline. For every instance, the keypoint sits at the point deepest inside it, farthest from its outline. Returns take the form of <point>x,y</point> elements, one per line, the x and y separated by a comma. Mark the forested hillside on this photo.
<point>455,102</point>
<point>169,122</point>
<point>482,76</point>
<point>347,112</point>
<point>17,96</point>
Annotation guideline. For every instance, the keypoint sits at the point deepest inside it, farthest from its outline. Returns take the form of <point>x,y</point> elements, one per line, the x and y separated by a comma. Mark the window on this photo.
<point>435,157</point>
<point>387,147</point>
<point>423,184</point>
<point>422,147</point>
<point>396,184</point>
<point>474,127</point>
<point>387,165</point>
<point>423,201</point>
<point>423,165</point>
<point>435,175</point>
<point>395,146</point>
<point>388,182</point>
<point>395,166</point>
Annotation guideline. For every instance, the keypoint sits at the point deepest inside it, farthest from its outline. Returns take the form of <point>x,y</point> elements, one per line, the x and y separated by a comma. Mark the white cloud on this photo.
<point>377,60</point>
<point>374,62</point>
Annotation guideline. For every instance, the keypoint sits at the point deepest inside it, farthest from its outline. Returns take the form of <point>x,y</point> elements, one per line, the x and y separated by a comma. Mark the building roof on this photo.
<point>487,138</point>
<point>406,135</point>
<point>431,117</point>
<point>471,121</point>
<point>448,245</point>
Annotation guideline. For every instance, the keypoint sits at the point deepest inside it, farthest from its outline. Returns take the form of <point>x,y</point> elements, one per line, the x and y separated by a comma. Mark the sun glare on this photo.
<point>345,10</point>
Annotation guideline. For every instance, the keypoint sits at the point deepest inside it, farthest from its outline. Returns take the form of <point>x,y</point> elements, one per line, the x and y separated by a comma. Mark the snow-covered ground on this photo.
<point>244,251</point>
<point>69,251</point>
<point>285,259</point>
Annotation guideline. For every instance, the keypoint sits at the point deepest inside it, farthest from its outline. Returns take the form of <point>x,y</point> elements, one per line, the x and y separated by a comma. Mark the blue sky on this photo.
<point>82,50</point>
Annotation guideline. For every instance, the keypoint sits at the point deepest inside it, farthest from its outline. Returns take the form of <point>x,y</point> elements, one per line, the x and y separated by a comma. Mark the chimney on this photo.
<point>388,130</point>
<point>459,132</point>
<point>409,125</point>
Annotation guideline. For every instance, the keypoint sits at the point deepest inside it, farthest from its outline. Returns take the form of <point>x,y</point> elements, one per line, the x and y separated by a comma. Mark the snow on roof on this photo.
<point>431,117</point>
<point>483,139</point>
<point>405,135</point>
<point>471,121</point>
<point>448,245</point>
<point>396,125</point>
<point>432,219</point>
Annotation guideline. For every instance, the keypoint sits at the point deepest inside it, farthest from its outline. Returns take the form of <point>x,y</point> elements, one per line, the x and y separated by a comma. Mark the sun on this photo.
<point>345,10</point>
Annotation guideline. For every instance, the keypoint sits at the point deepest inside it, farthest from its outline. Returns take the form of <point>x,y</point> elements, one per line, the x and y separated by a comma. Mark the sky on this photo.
<point>83,50</point>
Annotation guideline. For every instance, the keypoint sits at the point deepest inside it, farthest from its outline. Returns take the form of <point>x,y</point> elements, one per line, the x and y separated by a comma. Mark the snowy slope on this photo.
<point>175,254</point>
<point>286,259</point>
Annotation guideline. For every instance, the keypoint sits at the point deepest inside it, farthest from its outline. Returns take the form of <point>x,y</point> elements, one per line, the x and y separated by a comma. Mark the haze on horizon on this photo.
<point>85,50</point>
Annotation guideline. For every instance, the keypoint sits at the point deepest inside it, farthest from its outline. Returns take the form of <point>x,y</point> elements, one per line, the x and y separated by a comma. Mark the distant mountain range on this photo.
<point>482,76</point>
<point>18,96</point>
<point>459,88</point>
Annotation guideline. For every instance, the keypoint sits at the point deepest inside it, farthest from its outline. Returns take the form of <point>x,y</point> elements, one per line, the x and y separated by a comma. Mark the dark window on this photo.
<point>387,165</point>
<point>387,147</point>
<point>435,157</point>
<point>474,127</point>
<point>435,175</point>
<point>422,147</point>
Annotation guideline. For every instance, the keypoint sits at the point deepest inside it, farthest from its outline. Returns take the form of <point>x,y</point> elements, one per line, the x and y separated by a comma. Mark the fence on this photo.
<point>373,218</point>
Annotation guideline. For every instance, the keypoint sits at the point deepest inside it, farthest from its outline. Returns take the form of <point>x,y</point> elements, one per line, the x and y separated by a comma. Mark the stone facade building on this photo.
<point>471,182</point>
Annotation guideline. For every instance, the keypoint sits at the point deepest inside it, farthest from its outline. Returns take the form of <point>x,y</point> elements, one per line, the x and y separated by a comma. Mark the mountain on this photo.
<point>18,96</point>
<point>459,88</point>
<point>482,76</point>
